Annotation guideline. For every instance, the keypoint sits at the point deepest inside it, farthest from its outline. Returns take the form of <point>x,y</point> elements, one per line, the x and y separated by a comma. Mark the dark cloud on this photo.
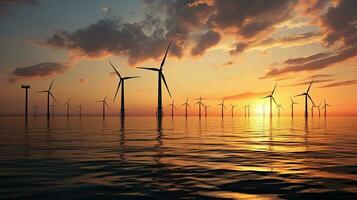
<point>228,63</point>
<point>204,42</point>
<point>340,84</point>
<point>239,47</point>
<point>340,25</point>
<point>38,70</point>
<point>5,5</point>
<point>246,95</point>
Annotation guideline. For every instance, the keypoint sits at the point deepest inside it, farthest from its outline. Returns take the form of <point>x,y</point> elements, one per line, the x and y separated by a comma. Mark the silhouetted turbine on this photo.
<point>232,109</point>
<point>325,107</point>
<point>271,97</point>
<point>121,82</point>
<point>205,109</point>
<point>292,106</point>
<point>67,106</point>
<point>172,105</point>
<point>104,102</point>
<point>279,106</point>
<point>223,107</point>
<point>312,109</point>
<point>26,87</point>
<point>199,102</point>
<point>186,105</point>
<point>53,109</point>
<point>49,93</point>
<point>160,77</point>
<point>319,109</point>
<point>306,94</point>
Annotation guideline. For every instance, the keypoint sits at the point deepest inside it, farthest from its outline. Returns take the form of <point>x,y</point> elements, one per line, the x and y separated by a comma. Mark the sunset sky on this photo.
<point>224,49</point>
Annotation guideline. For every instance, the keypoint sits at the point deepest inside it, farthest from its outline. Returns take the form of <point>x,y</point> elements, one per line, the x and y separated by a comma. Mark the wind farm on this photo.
<point>178,99</point>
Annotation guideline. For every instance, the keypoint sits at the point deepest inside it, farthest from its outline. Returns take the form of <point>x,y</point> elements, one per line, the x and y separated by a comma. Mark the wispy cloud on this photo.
<point>308,82</point>
<point>340,84</point>
<point>246,95</point>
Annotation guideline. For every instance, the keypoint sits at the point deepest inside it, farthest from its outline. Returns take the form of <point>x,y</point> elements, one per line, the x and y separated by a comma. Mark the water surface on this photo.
<point>146,158</point>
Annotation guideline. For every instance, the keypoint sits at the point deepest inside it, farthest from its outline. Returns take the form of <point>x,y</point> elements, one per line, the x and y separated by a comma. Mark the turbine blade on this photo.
<point>149,68</point>
<point>313,103</point>
<point>163,78</point>
<point>116,71</point>
<point>274,101</point>
<point>116,93</point>
<point>130,77</point>
<point>49,89</point>
<point>163,60</point>
<point>273,89</point>
<point>265,97</point>
<point>308,89</point>
<point>53,97</point>
<point>299,95</point>
<point>42,91</point>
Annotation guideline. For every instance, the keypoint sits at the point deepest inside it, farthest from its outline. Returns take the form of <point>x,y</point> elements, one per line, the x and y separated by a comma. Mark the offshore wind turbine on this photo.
<point>319,109</point>
<point>172,105</point>
<point>232,109</point>
<point>292,106</point>
<point>26,87</point>
<point>248,108</point>
<point>53,109</point>
<point>306,94</point>
<point>186,105</point>
<point>161,78</point>
<point>121,82</point>
<point>104,102</point>
<point>49,93</point>
<point>199,102</point>
<point>325,107</point>
<point>312,109</point>
<point>67,106</point>
<point>205,109</point>
<point>223,107</point>
<point>271,97</point>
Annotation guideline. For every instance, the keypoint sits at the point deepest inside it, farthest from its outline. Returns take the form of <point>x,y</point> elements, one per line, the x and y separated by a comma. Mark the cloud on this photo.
<point>6,4</point>
<point>204,42</point>
<point>340,84</point>
<point>105,9</point>
<point>228,63</point>
<point>82,80</point>
<point>38,70</point>
<point>308,82</point>
<point>246,95</point>
<point>339,23</point>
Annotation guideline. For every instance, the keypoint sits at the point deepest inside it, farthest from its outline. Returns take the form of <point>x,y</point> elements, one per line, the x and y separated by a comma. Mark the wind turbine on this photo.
<point>223,107</point>
<point>186,105</point>
<point>67,106</point>
<point>121,82</point>
<point>80,107</point>
<point>205,109</point>
<point>172,107</point>
<point>104,102</point>
<point>160,78</point>
<point>319,109</point>
<point>248,108</point>
<point>279,106</point>
<point>232,109</point>
<point>49,93</point>
<point>26,87</point>
<point>292,106</point>
<point>271,97</point>
<point>325,107</point>
<point>306,94</point>
<point>312,109</point>
<point>199,102</point>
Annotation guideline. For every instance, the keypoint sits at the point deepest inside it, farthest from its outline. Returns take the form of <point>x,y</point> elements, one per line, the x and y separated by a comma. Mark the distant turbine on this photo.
<point>271,97</point>
<point>104,102</point>
<point>223,107</point>
<point>232,109</point>
<point>312,109</point>
<point>245,110</point>
<point>160,77</point>
<point>49,93</point>
<point>199,102</point>
<point>306,94</point>
<point>80,107</point>
<point>67,106</point>
<point>292,106</point>
<point>186,105</point>
<point>26,87</point>
<point>205,109</point>
<point>319,109</point>
<point>172,105</point>
<point>325,107</point>
<point>121,82</point>
<point>279,106</point>
<point>248,108</point>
